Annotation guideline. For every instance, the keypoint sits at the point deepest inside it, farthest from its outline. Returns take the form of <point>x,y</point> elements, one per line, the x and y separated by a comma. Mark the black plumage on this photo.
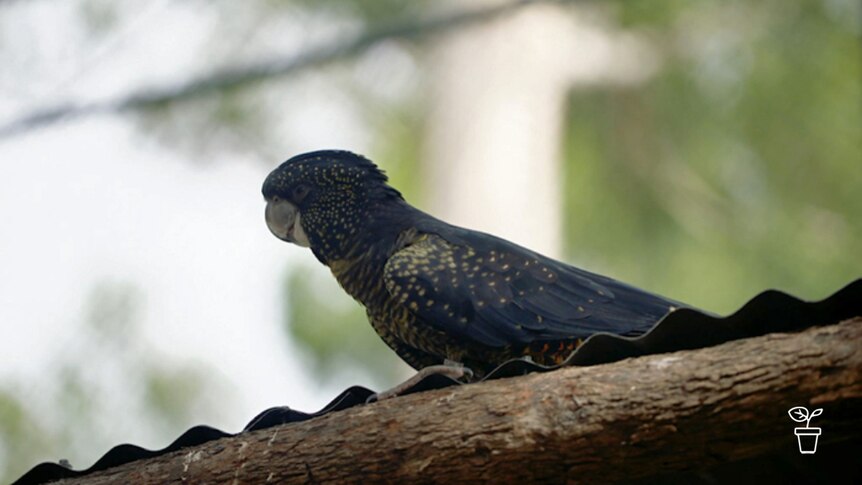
<point>437,292</point>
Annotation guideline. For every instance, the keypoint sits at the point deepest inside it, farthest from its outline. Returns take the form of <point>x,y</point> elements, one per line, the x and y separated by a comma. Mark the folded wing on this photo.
<point>477,286</point>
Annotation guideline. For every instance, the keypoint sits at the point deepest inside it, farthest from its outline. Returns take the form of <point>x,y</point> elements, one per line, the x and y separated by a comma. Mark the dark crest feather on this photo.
<point>342,158</point>
<point>347,159</point>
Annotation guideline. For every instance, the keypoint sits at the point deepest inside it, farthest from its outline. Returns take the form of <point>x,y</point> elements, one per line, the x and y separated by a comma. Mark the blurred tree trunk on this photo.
<point>496,112</point>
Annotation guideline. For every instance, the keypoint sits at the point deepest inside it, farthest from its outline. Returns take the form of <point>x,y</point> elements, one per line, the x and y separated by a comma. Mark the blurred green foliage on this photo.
<point>62,414</point>
<point>22,435</point>
<point>738,166</point>
<point>369,12</point>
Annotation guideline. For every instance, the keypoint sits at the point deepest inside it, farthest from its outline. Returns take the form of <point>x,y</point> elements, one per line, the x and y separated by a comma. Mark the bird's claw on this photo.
<point>452,370</point>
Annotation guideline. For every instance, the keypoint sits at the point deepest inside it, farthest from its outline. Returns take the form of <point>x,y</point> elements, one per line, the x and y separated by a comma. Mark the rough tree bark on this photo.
<point>635,418</point>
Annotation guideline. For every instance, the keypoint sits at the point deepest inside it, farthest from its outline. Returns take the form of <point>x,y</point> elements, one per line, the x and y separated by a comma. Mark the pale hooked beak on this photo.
<point>283,221</point>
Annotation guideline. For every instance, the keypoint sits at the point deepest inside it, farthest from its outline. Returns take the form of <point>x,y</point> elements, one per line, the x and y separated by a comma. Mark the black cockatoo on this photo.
<point>436,293</point>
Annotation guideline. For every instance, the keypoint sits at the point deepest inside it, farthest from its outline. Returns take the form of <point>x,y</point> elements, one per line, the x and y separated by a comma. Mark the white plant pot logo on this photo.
<point>807,436</point>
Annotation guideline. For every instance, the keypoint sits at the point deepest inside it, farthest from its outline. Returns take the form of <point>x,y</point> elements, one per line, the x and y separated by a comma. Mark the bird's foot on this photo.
<point>453,370</point>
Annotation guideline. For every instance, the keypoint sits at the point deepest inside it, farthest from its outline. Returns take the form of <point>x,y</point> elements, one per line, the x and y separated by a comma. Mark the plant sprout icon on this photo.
<point>806,436</point>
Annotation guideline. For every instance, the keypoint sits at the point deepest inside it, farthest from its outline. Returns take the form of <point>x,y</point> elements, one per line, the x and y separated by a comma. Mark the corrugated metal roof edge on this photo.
<point>684,329</point>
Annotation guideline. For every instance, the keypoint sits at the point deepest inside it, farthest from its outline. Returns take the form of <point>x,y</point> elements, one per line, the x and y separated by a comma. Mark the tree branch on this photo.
<point>634,418</point>
<point>409,29</point>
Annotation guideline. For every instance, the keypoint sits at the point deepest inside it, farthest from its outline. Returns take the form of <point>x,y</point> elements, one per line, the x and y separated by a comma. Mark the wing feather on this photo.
<point>477,286</point>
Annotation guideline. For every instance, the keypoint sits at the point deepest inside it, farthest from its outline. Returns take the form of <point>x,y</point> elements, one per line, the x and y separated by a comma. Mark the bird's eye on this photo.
<point>300,192</point>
